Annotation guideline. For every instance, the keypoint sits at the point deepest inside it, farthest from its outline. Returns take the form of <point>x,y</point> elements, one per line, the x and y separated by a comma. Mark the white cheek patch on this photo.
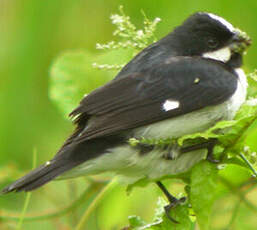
<point>169,105</point>
<point>223,54</point>
<point>222,21</point>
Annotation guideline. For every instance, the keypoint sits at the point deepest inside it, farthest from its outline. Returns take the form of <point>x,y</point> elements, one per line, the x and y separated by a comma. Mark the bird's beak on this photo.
<point>240,41</point>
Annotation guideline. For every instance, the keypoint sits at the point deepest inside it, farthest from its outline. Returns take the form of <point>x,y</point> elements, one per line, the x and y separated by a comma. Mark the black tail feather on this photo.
<point>38,177</point>
<point>67,158</point>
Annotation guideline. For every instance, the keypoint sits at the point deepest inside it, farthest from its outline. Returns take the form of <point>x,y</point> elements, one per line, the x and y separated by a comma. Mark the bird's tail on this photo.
<point>68,157</point>
<point>39,176</point>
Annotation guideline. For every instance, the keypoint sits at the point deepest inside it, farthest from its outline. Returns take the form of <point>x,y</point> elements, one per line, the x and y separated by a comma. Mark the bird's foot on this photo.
<point>171,152</point>
<point>171,206</point>
<point>173,202</point>
<point>211,158</point>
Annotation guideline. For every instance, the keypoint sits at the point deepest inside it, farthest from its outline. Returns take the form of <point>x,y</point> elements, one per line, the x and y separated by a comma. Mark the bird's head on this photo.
<point>210,36</point>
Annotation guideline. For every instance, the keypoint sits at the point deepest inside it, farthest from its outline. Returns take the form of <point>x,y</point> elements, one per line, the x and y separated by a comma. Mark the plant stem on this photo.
<point>24,210</point>
<point>95,202</point>
<point>238,193</point>
<point>28,196</point>
<point>234,215</point>
<point>90,191</point>
<point>248,163</point>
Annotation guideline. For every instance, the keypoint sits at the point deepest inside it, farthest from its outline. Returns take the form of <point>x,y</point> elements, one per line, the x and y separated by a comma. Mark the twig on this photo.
<point>88,211</point>
<point>85,195</point>
<point>28,196</point>
<point>248,163</point>
<point>239,193</point>
<point>234,214</point>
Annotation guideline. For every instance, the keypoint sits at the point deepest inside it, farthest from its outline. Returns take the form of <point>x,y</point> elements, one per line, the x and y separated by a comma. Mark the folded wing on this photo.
<point>185,84</point>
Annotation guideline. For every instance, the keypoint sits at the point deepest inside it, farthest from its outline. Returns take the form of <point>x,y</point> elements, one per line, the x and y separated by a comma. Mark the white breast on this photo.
<point>239,96</point>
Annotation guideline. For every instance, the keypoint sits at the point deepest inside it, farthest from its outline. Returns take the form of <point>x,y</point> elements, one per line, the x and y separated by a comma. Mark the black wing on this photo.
<point>137,99</point>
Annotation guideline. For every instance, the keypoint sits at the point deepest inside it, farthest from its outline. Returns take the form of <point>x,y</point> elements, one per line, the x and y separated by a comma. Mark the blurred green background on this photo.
<point>32,34</point>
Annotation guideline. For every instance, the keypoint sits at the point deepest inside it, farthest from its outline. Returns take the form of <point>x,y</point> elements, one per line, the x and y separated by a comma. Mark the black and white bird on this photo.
<point>183,83</point>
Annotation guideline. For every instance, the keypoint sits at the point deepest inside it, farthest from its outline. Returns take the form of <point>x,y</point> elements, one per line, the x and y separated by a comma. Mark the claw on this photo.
<point>210,156</point>
<point>172,205</point>
<point>167,209</point>
<point>173,202</point>
<point>211,159</point>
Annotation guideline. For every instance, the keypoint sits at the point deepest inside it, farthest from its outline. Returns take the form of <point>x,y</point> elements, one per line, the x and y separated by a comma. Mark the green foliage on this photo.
<point>202,195</point>
<point>71,76</point>
<point>230,134</point>
<point>160,220</point>
<point>252,81</point>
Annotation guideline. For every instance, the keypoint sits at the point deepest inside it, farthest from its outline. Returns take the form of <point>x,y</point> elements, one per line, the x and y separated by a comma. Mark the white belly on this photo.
<point>127,161</point>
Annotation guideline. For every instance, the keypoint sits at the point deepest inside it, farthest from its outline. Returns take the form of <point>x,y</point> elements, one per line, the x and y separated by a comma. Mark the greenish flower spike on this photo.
<point>130,37</point>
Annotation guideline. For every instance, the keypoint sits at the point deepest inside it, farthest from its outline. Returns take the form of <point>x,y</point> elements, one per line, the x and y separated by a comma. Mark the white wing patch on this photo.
<point>169,105</point>
<point>223,54</point>
<point>222,21</point>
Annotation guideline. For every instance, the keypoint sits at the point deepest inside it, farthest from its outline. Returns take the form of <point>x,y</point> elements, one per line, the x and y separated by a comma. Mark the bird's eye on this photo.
<point>212,43</point>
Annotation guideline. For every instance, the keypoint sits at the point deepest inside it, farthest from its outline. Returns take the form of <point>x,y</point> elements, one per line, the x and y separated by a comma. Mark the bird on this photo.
<point>184,83</point>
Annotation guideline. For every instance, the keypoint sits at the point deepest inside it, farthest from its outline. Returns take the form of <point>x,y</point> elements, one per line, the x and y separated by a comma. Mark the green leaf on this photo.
<point>212,132</point>
<point>161,222</point>
<point>202,191</point>
<point>248,109</point>
<point>235,174</point>
<point>252,84</point>
<point>234,161</point>
<point>180,214</point>
<point>72,76</point>
<point>135,221</point>
<point>231,134</point>
<point>236,135</point>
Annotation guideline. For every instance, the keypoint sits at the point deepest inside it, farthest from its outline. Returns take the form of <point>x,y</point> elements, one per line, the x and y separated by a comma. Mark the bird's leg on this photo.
<point>210,148</point>
<point>209,145</point>
<point>173,201</point>
<point>172,151</point>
